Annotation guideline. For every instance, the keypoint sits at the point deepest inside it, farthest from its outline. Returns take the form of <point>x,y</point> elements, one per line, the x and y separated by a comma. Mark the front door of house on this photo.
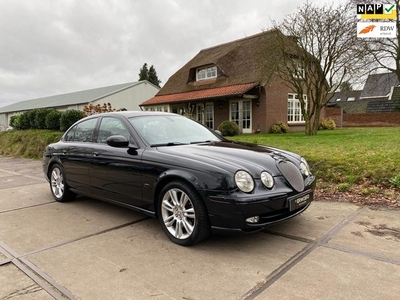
<point>240,113</point>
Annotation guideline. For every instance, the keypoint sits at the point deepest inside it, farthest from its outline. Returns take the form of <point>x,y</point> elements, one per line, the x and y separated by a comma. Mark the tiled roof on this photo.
<point>379,85</point>
<point>382,106</point>
<point>396,93</point>
<point>232,90</point>
<point>344,96</point>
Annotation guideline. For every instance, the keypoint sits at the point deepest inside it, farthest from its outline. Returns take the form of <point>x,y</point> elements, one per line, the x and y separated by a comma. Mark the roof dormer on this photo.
<point>207,72</point>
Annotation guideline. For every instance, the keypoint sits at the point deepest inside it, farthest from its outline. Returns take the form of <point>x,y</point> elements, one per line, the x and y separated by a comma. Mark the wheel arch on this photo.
<point>54,160</point>
<point>175,175</point>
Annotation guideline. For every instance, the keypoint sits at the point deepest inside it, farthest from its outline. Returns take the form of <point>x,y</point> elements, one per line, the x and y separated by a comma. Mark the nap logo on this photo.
<point>376,11</point>
<point>376,30</point>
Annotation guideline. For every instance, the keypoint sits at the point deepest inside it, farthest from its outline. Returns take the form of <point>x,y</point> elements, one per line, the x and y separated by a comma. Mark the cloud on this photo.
<point>50,47</point>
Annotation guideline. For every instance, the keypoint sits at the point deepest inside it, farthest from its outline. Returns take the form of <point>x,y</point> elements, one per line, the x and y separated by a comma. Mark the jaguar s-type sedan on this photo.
<point>172,168</point>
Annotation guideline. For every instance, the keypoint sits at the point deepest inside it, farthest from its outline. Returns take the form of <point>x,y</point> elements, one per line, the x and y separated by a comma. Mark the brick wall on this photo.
<point>363,120</point>
<point>276,103</point>
<point>258,115</point>
<point>335,114</point>
<point>221,113</point>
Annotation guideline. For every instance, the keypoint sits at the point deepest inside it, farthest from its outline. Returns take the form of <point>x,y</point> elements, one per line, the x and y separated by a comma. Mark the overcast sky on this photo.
<point>50,47</point>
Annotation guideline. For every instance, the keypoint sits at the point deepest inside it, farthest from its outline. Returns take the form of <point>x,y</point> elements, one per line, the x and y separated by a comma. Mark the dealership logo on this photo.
<point>376,30</point>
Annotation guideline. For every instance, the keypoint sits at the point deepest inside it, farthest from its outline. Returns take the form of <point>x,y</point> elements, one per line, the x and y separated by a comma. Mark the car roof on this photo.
<point>129,114</point>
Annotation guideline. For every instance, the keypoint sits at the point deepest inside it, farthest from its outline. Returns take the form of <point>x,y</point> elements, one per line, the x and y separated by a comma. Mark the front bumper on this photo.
<point>229,212</point>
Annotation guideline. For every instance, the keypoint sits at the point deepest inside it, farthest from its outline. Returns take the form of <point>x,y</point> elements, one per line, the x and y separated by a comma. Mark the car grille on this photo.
<point>292,175</point>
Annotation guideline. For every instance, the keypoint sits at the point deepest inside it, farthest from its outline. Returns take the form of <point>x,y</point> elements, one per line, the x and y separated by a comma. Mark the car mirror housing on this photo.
<point>118,141</point>
<point>218,132</point>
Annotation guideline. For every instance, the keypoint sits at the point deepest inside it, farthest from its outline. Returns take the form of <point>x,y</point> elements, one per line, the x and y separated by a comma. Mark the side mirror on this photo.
<point>118,141</point>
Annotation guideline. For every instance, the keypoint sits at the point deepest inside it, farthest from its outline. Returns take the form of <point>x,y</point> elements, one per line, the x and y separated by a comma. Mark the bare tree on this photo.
<point>319,50</point>
<point>345,86</point>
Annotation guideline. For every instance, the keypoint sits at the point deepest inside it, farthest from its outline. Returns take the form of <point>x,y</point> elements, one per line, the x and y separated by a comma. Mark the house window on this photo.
<point>157,108</point>
<point>240,113</point>
<point>209,115</point>
<point>294,108</point>
<point>234,114</point>
<point>206,73</point>
<point>200,113</point>
<point>246,118</point>
<point>298,70</point>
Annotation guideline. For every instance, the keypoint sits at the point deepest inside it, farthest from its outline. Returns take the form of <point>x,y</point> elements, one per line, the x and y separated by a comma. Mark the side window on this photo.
<point>111,126</point>
<point>81,132</point>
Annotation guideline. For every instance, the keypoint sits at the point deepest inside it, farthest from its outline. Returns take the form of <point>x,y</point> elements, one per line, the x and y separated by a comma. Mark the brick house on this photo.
<point>232,81</point>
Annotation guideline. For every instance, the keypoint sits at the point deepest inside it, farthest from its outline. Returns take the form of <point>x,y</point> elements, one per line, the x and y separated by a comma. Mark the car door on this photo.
<point>76,155</point>
<point>115,173</point>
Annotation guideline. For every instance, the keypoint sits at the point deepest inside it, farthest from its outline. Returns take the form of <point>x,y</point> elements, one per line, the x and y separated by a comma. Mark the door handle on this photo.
<point>95,153</point>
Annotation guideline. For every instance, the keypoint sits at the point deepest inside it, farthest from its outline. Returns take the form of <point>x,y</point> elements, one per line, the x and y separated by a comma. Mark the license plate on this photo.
<point>299,202</point>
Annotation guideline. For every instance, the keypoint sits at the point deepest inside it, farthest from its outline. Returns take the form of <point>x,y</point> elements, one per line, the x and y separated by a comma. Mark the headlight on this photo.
<point>244,181</point>
<point>305,169</point>
<point>267,180</point>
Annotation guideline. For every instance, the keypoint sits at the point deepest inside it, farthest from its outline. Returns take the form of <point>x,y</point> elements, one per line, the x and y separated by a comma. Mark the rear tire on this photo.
<point>58,186</point>
<point>182,214</point>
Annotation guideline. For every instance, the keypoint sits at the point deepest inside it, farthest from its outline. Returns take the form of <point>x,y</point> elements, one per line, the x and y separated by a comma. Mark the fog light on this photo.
<point>254,219</point>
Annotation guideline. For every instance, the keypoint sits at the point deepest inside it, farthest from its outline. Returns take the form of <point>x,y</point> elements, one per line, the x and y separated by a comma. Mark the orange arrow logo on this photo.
<point>367,29</point>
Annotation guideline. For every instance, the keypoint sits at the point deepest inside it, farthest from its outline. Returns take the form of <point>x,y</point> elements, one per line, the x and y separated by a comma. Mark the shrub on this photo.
<point>53,120</point>
<point>327,124</point>
<point>40,118</point>
<point>279,128</point>
<point>14,121</point>
<point>24,122</point>
<point>31,116</point>
<point>228,128</point>
<point>69,117</point>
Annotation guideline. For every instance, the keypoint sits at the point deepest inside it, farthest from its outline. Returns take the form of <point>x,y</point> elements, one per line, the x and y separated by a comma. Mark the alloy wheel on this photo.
<point>178,213</point>
<point>57,183</point>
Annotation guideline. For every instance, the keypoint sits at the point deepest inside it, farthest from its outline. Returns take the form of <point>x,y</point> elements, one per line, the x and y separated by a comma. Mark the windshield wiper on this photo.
<point>200,142</point>
<point>169,144</point>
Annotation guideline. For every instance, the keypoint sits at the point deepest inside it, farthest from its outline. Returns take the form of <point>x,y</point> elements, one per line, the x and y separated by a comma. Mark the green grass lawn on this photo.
<point>343,156</point>
<point>27,143</point>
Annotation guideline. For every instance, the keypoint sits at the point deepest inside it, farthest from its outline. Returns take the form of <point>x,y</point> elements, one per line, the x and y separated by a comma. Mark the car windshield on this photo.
<point>170,130</point>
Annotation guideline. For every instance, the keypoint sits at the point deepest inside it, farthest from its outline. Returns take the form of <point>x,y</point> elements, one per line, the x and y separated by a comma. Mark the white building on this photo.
<point>122,96</point>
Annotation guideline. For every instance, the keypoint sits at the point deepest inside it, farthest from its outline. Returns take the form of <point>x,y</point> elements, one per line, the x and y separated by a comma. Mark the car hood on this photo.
<point>230,156</point>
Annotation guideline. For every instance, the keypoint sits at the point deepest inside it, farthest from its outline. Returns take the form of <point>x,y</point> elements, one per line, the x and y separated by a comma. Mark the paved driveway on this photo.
<point>87,249</point>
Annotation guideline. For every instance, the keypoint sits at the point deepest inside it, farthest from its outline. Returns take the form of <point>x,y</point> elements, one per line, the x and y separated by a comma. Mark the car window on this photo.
<point>111,126</point>
<point>171,130</point>
<point>81,132</point>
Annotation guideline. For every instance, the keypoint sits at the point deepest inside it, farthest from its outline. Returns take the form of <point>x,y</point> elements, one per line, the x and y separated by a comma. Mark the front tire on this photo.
<point>58,186</point>
<point>182,214</point>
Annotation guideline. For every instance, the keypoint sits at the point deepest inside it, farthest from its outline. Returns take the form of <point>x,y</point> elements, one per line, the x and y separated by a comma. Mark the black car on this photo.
<point>172,168</point>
